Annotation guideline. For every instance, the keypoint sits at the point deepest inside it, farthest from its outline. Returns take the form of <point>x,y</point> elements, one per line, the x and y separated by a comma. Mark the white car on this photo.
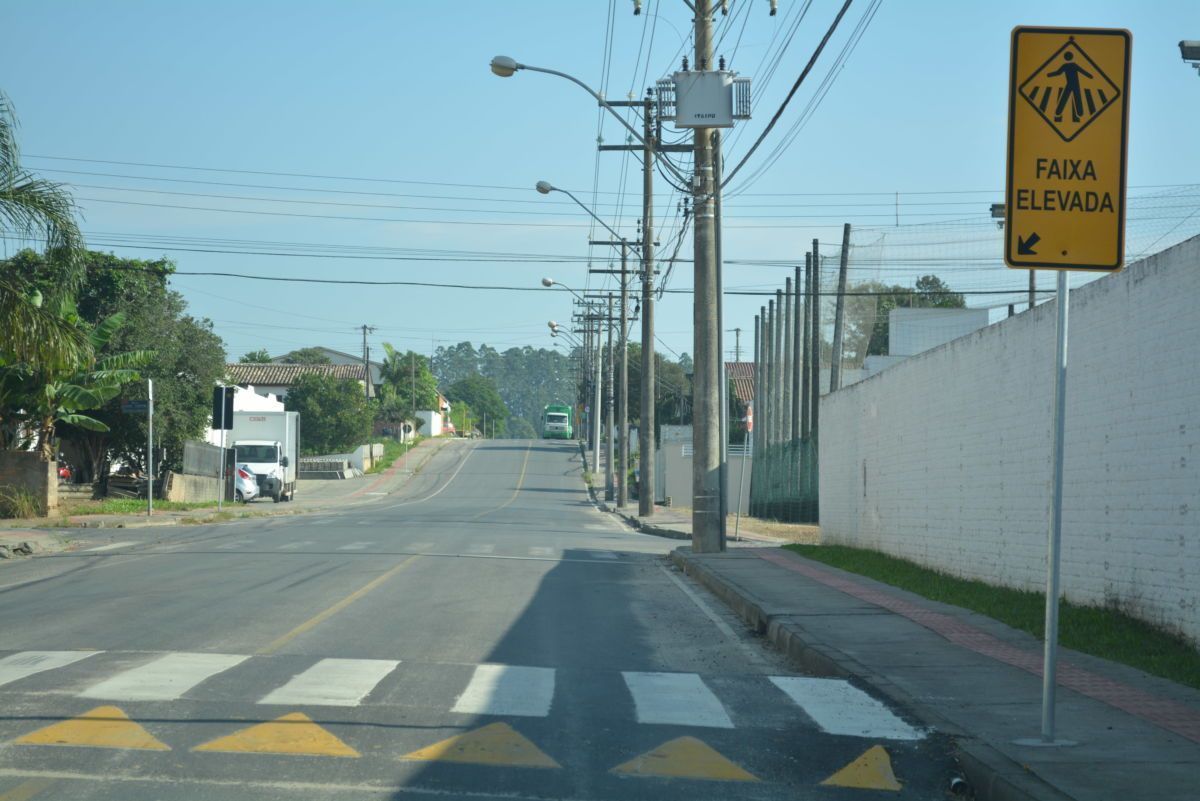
<point>245,484</point>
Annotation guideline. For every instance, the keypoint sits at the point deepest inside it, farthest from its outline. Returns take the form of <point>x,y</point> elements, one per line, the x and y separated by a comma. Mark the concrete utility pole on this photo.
<point>760,383</point>
<point>596,403</point>
<point>772,363</point>
<point>797,349</point>
<point>609,489</point>
<point>706,426</point>
<point>367,360</point>
<point>646,437</point>
<point>622,488</point>
<point>753,439</point>
<point>816,336</point>
<point>722,373</point>
<point>789,325</point>
<point>737,344</point>
<point>806,379</point>
<point>777,396</point>
<point>839,315</point>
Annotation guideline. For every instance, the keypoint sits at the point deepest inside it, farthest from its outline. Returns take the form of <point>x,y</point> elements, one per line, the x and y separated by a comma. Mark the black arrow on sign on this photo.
<point>1025,246</point>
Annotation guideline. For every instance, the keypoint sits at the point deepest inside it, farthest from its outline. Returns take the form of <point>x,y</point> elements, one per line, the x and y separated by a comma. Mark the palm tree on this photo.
<point>32,327</point>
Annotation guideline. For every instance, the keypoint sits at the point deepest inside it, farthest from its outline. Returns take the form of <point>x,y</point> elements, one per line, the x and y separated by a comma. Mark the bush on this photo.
<point>16,502</point>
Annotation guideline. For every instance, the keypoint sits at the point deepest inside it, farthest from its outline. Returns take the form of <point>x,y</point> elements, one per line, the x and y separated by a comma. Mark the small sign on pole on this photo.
<point>1068,131</point>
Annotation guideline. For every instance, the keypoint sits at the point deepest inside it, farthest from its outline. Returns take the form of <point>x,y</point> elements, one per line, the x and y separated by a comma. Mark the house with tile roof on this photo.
<point>277,379</point>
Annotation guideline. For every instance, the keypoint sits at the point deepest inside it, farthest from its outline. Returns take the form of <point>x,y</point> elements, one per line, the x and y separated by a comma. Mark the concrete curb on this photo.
<point>633,520</point>
<point>993,775</point>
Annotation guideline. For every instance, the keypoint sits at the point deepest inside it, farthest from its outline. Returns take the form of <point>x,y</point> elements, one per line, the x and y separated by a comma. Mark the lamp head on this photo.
<point>547,282</point>
<point>504,66</point>
<point>545,187</point>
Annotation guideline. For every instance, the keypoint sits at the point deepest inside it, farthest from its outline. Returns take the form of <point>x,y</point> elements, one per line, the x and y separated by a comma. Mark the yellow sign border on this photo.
<point>1014,84</point>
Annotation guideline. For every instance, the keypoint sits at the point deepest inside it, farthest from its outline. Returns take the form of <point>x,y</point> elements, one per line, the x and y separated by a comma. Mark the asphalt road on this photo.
<point>483,633</point>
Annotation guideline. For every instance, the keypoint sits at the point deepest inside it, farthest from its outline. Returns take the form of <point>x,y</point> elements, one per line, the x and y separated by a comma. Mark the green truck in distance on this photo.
<point>556,422</point>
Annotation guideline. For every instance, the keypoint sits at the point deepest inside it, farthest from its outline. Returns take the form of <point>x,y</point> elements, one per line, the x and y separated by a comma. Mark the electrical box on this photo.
<point>704,99</point>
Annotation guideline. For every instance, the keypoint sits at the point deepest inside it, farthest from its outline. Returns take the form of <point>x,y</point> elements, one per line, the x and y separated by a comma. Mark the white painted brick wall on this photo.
<point>954,446</point>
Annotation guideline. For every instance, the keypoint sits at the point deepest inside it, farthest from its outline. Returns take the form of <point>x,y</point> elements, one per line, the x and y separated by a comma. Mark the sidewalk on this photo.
<point>977,680</point>
<point>312,495</point>
<point>675,522</point>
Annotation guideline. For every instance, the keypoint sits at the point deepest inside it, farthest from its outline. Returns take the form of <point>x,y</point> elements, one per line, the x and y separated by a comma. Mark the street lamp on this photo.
<point>550,282</point>
<point>506,67</point>
<point>1190,51</point>
<point>545,187</point>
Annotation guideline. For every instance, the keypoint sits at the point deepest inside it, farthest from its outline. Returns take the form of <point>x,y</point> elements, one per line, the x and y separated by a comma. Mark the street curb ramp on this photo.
<point>992,775</point>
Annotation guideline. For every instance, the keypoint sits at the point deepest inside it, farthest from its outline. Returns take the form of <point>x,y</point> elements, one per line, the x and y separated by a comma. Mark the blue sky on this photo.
<point>400,93</point>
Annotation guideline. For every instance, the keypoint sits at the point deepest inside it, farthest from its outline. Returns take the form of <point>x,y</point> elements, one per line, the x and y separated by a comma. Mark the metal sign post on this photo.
<point>150,448</point>
<point>1068,122</point>
<point>221,471</point>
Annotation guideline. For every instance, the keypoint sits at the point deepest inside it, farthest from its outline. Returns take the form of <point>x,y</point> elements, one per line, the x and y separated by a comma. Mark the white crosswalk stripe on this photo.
<point>164,679</point>
<point>481,548</point>
<point>229,546</point>
<point>355,546</point>
<point>109,547</point>
<point>681,699</point>
<point>291,545</point>
<point>538,550</point>
<point>603,555</point>
<point>508,690</point>
<point>333,682</point>
<point>29,663</point>
<point>840,708</point>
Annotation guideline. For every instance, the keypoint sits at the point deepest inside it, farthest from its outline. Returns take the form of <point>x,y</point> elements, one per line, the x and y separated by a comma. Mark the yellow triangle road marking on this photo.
<point>494,744</point>
<point>102,727</point>
<point>685,758</point>
<point>871,771</point>
<point>291,734</point>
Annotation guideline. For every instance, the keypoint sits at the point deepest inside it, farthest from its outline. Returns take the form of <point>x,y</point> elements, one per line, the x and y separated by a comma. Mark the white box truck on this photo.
<point>269,444</point>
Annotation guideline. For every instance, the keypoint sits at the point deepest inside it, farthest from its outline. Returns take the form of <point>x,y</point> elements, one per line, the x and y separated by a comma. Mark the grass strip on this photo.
<point>130,506</point>
<point>392,450</point>
<point>1106,632</point>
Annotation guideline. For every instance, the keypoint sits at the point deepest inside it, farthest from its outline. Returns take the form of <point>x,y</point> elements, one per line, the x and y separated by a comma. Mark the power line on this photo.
<point>803,74</point>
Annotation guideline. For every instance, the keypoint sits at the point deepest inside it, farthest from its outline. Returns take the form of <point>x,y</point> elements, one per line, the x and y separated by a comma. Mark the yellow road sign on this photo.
<point>1068,124</point>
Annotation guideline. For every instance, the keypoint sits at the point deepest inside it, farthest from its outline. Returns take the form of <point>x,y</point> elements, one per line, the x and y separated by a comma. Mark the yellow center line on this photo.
<point>26,790</point>
<point>321,617</point>
<point>516,492</point>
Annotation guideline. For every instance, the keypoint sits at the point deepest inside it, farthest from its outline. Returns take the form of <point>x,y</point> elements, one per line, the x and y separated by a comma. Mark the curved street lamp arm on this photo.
<point>579,203</point>
<point>636,135</point>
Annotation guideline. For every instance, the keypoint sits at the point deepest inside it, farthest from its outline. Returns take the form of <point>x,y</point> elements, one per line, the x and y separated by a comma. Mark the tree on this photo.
<point>48,395</point>
<point>518,428</point>
<point>34,328</point>
<point>307,356</point>
<point>408,382</point>
<point>673,395</point>
<point>527,378</point>
<point>189,359</point>
<point>334,415</point>
<point>480,394</point>
<point>255,357</point>
<point>868,315</point>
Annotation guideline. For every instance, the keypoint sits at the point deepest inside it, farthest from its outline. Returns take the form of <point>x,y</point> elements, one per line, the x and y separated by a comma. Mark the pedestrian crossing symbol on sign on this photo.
<point>1069,91</point>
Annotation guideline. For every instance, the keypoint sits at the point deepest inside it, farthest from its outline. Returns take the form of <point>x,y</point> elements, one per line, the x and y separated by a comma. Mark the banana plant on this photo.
<point>47,395</point>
